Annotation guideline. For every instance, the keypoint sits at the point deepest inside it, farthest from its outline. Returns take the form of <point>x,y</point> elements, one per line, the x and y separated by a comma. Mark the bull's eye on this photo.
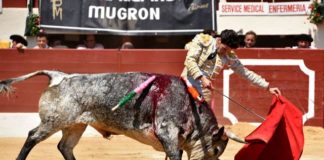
<point>206,147</point>
<point>215,151</point>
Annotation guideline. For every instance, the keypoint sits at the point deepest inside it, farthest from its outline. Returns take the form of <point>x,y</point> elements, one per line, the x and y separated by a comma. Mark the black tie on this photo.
<point>212,56</point>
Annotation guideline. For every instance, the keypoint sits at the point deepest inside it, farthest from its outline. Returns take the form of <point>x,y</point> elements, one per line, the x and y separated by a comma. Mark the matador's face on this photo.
<point>222,48</point>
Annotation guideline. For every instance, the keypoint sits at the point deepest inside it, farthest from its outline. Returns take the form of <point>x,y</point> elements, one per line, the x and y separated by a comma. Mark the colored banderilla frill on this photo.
<point>132,94</point>
<point>193,91</point>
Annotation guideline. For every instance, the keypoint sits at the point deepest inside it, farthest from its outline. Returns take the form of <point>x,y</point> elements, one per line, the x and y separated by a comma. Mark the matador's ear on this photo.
<point>232,54</point>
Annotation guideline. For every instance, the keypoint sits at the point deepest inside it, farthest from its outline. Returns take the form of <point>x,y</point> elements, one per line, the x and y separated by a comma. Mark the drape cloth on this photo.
<point>279,137</point>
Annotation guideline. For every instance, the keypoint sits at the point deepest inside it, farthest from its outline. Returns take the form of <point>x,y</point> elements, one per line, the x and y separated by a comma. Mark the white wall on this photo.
<point>19,124</point>
<point>318,32</point>
<point>265,25</point>
<point>12,21</point>
<point>272,25</point>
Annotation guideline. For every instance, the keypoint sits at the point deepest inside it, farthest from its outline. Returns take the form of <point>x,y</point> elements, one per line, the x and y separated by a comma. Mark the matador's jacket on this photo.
<point>202,59</point>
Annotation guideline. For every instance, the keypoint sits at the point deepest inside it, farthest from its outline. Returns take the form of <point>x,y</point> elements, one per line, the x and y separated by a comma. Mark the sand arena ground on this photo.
<point>123,148</point>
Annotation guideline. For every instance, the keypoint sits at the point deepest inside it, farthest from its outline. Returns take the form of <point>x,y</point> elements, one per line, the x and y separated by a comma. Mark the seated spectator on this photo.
<point>42,41</point>
<point>90,43</point>
<point>249,39</point>
<point>18,41</point>
<point>58,44</point>
<point>303,41</point>
<point>127,45</point>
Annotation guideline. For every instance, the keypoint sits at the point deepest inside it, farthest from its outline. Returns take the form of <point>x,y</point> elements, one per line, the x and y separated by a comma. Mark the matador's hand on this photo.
<point>275,91</point>
<point>206,83</point>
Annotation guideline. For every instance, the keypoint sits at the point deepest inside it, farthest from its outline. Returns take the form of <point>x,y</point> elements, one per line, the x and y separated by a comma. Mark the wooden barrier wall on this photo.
<point>298,73</point>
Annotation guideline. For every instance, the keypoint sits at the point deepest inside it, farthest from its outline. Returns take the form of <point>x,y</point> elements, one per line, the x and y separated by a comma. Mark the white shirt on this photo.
<point>310,47</point>
<point>46,47</point>
<point>97,46</point>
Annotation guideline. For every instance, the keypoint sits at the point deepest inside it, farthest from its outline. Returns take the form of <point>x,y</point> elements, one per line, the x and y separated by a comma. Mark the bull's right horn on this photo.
<point>234,137</point>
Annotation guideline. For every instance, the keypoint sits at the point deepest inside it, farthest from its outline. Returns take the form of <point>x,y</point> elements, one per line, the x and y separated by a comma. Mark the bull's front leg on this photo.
<point>168,134</point>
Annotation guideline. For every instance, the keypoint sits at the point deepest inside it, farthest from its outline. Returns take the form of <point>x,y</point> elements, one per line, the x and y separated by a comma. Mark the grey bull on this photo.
<point>163,116</point>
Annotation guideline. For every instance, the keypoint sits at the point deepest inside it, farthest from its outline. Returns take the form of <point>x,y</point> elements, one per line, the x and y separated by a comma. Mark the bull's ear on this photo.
<point>219,134</point>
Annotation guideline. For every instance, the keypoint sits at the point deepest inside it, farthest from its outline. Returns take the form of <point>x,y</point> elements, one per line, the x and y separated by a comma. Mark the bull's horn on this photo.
<point>234,137</point>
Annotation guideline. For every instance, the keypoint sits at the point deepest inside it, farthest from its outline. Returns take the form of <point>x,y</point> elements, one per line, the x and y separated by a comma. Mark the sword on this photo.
<point>245,108</point>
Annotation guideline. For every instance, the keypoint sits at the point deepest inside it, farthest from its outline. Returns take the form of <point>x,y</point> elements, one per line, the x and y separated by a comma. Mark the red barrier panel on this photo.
<point>298,73</point>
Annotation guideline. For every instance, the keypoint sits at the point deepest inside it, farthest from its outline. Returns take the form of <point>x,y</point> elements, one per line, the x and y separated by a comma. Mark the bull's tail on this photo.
<point>55,77</point>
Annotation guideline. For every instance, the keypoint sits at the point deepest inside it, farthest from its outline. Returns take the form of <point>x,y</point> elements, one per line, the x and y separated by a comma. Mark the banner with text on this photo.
<point>269,9</point>
<point>129,17</point>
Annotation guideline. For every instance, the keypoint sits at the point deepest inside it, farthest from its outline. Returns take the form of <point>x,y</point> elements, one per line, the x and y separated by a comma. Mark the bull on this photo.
<point>163,116</point>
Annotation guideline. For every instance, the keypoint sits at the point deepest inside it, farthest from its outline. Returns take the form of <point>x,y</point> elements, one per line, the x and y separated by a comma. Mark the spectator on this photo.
<point>58,44</point>
<point>127,45</point>
<point>303,41</point>
<point>42,41</point>
<point>18,41</point>
<point>206,58</point>
<point>90,43</point>
<point>249,39</point>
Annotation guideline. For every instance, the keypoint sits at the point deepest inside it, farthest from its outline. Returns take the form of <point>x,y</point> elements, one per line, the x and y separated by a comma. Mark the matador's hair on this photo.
<point>230,38</point>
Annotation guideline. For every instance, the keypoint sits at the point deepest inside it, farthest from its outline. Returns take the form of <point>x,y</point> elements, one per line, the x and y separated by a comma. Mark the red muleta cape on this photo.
<point>279,137</point>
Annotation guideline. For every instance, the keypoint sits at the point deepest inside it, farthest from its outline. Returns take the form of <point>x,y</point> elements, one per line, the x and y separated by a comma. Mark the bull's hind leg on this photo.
<point>35,136</point>
<point>70,139</point>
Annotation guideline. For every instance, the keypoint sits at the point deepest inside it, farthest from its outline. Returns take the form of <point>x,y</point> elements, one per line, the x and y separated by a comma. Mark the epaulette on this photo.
<point>204,39</point>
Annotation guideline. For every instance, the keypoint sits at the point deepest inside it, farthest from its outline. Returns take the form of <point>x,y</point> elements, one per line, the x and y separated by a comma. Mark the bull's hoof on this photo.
<point>106,135</point>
